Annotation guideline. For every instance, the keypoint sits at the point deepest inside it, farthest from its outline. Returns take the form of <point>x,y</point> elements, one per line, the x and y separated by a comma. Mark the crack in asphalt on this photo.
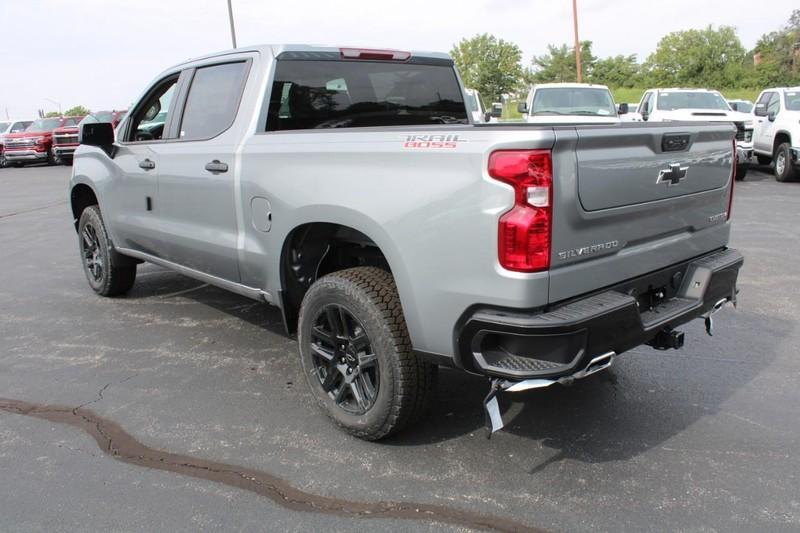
<point>101,391</point>
<point>113,440</point>
<point>32,209</point>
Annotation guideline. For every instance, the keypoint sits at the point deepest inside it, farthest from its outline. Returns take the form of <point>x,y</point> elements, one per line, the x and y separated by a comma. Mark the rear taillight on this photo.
<point>374,55</point>
<point>733,179</point>
<point>524,232</point>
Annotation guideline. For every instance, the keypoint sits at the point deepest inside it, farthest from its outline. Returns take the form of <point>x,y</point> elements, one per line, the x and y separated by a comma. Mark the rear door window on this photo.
<point>213,100</point>
<point>309,94</point>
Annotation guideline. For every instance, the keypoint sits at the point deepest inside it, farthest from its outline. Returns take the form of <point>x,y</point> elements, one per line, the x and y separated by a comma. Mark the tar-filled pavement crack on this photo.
<point>120,445</point>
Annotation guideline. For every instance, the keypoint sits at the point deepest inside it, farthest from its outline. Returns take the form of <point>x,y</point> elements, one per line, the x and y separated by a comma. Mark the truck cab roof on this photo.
<point>306,50</point>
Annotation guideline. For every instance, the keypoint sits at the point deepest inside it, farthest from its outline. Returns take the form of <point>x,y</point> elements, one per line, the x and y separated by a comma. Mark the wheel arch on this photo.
<point>81,196</point>
<point>331,243</point>
<point>781,136</point>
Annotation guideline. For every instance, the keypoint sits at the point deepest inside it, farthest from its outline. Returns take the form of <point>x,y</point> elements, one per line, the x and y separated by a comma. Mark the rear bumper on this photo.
<point>559,341</point>
<point>24,155</point>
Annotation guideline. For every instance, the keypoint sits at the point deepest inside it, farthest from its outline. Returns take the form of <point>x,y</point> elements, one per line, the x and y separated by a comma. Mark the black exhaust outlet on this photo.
<point>667,339</point>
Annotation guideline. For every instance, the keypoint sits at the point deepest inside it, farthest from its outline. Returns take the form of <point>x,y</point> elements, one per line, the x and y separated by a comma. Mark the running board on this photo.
<point>494,420</point>
<point>250,292</point>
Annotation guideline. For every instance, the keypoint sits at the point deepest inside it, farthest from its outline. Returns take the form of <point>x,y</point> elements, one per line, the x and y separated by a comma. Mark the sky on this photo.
<point>102,53</point>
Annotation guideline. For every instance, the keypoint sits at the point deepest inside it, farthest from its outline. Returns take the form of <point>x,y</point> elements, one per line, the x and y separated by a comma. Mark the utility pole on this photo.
<point>233,30</point>
<point>578,67</point>
<point>57,103</point>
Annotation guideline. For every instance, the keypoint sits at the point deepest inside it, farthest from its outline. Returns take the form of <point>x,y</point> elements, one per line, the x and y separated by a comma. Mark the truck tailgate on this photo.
<point>630,199</point>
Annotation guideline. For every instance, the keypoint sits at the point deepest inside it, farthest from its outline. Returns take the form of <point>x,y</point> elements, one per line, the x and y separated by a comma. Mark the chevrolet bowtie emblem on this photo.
<point>673,175</point>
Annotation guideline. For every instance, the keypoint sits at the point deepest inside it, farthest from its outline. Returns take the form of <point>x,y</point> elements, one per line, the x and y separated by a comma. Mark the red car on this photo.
<point>65,139</point>
<point>33,145</point>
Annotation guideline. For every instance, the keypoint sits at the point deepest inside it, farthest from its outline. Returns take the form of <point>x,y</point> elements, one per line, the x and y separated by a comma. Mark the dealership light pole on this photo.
<point>577,41</point>
<point>233,30</point>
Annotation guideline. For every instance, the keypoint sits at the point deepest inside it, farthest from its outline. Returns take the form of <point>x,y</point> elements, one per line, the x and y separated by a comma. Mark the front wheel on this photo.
<point>741,172</point>
<point>784,169</point>
<point>357,355</point>
<point>105,277</point>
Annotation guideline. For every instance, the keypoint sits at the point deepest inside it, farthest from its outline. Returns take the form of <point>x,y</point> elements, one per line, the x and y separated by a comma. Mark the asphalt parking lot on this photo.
<point>194,413</point>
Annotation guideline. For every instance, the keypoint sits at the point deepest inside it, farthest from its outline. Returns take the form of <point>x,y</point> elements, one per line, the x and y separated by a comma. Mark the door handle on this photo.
<point>216,166</point>
<point>147,164</point>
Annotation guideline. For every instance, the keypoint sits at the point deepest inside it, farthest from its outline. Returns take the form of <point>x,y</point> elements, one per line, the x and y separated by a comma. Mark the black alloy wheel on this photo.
<point>345,363</point>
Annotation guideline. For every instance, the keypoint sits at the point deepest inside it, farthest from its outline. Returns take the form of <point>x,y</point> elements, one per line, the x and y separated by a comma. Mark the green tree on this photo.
<point>779,57</point>
<point>697,58</point>
<point>558,64</point>
<point>51,114</point>
<point>616,71</point>
<point>77,111</point>
<point>490,65</point>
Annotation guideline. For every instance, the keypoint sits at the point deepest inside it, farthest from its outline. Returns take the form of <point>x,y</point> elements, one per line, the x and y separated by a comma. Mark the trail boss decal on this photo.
<point>432,141</point>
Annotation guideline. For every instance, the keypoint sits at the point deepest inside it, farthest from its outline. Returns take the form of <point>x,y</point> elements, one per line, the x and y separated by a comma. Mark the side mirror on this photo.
<point>771,116</point>
<point>760,110</point>
<point>522,107</point>
<point>487,116</point>
<point>622,109</point>
<point>645,114</point>
<point>100,134</point>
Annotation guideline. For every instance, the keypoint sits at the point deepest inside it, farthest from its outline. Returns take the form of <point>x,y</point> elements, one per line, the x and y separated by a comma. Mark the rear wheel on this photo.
<point>357,355</point>
<point>784,169</point>
<point>741,172</point>
<point>105,277</point>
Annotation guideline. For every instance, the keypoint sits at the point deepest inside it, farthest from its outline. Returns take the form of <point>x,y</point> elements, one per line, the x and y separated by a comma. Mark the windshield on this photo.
<point>793,100</point>
<point>100,116</point>
<point>744,107</point>
<point>44,124</point>
<point>4,126</point>
<point>671,100</point>
<point>573,101</point>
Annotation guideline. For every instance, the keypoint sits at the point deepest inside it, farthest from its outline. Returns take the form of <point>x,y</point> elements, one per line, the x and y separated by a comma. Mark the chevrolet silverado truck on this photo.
<point>569,103</point>
<point>34,144</point>
<point>776,138</point>
<point>351,189</point>
<point>10,126</point>
<point>65,139</point>
<point>702,105</point>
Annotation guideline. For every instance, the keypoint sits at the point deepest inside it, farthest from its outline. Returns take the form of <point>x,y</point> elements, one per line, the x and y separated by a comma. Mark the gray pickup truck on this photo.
<point>351,189</point>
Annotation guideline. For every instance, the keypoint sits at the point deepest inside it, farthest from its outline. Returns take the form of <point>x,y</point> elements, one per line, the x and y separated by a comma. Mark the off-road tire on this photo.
<point>788,172</point>
<point>114,279</point>
<point>407,382</point>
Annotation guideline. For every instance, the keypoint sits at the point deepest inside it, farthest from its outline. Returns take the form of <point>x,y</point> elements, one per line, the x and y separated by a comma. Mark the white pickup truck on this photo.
<point>700,105</point>
<point>776,136</point>
<point>351,189</point>
<point>569,103</point>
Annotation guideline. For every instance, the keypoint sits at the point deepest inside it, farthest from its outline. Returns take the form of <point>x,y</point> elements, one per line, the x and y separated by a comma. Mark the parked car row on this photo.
<point>768,129</point>
<point>49,140</point>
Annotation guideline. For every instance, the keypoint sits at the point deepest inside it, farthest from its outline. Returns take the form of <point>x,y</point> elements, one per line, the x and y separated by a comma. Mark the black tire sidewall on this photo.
<point>91,215</point>
<point>331,289</point>
<point>787,167</point>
